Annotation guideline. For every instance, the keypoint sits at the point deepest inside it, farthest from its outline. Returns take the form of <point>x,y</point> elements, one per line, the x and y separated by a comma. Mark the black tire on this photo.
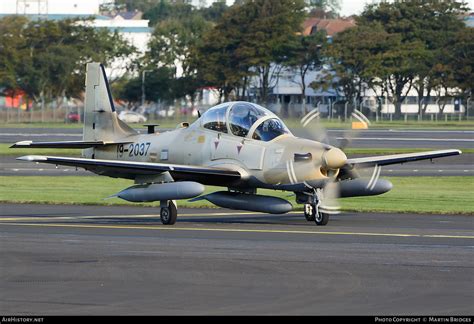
<point>321,219</point>
<point>168,215</point>
<point>309,215</point>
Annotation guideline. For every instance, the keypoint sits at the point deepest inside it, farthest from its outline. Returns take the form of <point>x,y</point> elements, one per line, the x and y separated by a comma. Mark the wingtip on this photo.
<point>32,158</point>
<point>21,144</point>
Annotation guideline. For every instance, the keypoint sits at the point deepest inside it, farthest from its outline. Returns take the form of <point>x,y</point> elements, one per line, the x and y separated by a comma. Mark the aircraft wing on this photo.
<point>65,144</point>
<point>400,158</point>
<point>130,170</point>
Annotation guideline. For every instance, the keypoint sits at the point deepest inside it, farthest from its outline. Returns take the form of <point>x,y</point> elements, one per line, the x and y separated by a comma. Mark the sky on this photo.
<point>350,7</point>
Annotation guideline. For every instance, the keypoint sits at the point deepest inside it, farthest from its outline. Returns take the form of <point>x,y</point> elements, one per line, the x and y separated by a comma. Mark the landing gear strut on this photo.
<point>308,212</point>
<point>312,211</point>
<point>168,212</point>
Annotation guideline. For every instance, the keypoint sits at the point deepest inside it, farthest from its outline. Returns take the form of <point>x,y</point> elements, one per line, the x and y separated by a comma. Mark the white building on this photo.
<point>206,3</point>
<point>287,91</point>
<point>49,7</point>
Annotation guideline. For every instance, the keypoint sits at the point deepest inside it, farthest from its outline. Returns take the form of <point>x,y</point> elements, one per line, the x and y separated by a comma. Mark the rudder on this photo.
<point>101,122</point>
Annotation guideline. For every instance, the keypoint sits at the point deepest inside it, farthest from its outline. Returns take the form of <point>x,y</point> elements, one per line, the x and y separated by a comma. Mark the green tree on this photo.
<point>250,41</point>
<point>356,56</point>
<point>162,10</point>
<point>304,55</point>
<point>13,53</point>
<point>216,60</point>
<point>158,86</point>
<point>172,41</point>
<point>424,29</point>
<point>462,61</point>
<point>267,27</point>
<point>325,8</point>
<point>215,11</point>
<point>171,46</point>
<point>47,59</point>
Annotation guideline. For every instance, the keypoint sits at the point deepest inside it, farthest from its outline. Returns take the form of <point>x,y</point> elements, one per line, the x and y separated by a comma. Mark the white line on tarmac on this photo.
<point>235,230</point>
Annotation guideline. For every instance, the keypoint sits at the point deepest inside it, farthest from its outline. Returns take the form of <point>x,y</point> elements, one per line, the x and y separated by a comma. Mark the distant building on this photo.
<point>469,20</point>
<point>203,3</point>
<point>287,89</point>
<point>330,26</point>
<point>49,7</point>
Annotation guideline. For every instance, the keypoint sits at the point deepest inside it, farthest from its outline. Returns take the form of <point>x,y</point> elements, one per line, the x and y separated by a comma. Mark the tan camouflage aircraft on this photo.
<point>240,146</point>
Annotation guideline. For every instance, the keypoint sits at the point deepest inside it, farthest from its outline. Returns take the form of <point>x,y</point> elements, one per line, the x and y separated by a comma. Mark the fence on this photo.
<point>337,111</point>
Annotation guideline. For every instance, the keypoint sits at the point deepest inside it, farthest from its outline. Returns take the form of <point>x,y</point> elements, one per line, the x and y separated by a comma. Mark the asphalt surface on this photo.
<point>88,260</point>
<point>371,138</point>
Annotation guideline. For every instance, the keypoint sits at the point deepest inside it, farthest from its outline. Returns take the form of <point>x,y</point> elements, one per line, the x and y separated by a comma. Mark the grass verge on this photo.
<point>5,150</point>
<point>430,195</point>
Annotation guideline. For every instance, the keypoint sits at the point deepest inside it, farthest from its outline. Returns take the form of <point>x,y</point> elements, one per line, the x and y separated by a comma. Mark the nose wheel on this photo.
<point>308,212</point>
<point>313,214</point>
<point>168,213</point>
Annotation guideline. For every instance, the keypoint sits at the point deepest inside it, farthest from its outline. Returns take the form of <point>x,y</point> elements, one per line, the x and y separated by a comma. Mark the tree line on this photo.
<point>241,51</point>
<point>45,60</point>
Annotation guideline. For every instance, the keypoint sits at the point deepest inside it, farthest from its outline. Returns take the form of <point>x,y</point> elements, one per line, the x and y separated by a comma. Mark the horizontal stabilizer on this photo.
<point>64,144</point>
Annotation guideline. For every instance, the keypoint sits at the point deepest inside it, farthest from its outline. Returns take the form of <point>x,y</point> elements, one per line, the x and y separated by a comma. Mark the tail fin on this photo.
<point>100,119</point>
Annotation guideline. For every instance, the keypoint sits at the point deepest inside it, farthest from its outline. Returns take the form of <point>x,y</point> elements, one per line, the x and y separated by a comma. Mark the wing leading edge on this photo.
<point>65,144</point>
<point>400,158</point>
<point>130,170</point>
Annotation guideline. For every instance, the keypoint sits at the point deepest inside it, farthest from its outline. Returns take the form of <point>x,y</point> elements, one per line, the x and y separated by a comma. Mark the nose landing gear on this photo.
<point>312,207</point>
<point>312,213</point>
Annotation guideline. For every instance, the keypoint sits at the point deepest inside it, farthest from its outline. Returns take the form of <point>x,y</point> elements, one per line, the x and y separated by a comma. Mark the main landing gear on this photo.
<point>168,212</point>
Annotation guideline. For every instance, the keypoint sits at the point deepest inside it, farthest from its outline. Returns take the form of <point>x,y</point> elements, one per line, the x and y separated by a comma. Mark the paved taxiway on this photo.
<point>371,138</point>
<point>120,260</point>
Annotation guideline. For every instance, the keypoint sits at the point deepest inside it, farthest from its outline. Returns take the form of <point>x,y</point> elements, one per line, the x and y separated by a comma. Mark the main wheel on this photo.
<point>169,214</point>
<point>309,212</point>
<point>321,218</point>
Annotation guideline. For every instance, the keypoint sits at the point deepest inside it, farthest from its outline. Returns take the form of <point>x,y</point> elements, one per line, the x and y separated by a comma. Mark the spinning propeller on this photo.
<point>332,161</point>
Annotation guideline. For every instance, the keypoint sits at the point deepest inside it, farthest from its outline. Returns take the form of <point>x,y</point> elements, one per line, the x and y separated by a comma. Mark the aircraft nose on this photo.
<point>334,158</point>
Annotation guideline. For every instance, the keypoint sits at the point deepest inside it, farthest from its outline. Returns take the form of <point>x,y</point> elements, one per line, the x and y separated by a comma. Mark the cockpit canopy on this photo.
<point>244,119</point>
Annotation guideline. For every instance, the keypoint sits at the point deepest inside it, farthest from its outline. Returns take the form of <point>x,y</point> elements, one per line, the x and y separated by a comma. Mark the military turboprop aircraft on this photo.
<point>238,145</point>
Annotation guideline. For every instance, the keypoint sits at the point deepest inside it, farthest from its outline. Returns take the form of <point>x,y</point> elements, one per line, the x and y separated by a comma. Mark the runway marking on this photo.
<point>234,230</point>
<point>49,218</point>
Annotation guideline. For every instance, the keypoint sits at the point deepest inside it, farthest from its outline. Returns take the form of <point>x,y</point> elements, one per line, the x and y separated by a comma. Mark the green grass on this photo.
<point>431,195</point>
<point>7,151</point>
<point>40,125</point>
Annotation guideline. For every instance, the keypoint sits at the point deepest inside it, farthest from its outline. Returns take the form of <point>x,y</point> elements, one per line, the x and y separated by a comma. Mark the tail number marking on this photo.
<point>135,149</point>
